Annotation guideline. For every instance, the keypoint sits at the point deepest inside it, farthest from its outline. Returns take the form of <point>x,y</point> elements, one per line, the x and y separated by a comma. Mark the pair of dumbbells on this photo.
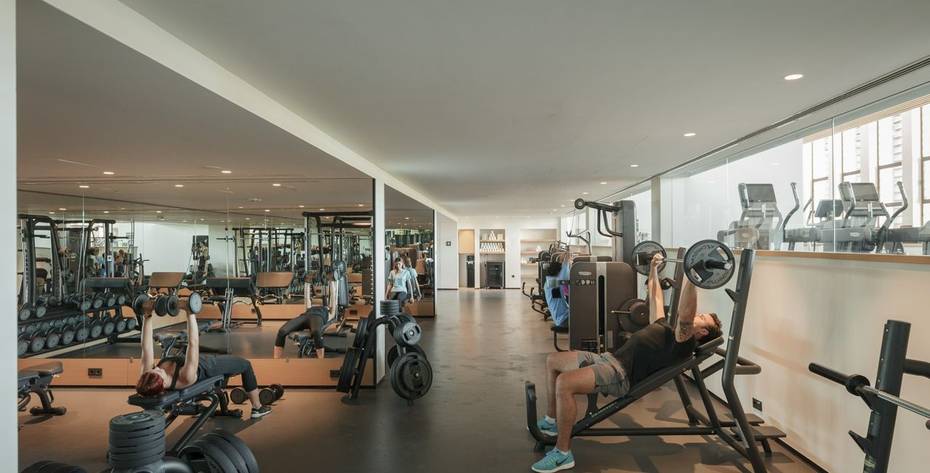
<point>30,310</point>
<point>80,301</point>
<point>266,396</point>
<point>165,304</point>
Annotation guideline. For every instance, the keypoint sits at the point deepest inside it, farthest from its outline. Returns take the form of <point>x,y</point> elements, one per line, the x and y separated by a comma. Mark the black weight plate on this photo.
<point>136,462</point>
<point>228,450</point>
<point>217,456</point>
<point>393,375</point>
<point>120,442</point>
<point>121,325</point>
<point>132,324</point>
<point>695,264</point>
<point>136,421</point>
<point>161,305</point>
<point>642,255</point>
<point>392,355</point>
<point>347,372</point>
<point>37,344</point>
<point>52,341</point>
<point>140,449</point>
<point>81,334</point>
<point>108,327</point>
<point>278,391</point>
<point>96,328</point>
<point>238,396</point>
<point>412,376</point>
<point>243,449</point>
<point>266,396</point>
<point>67,337</point>
<point>138,304</point>
<point>361,333</point>
<point>63,468</point>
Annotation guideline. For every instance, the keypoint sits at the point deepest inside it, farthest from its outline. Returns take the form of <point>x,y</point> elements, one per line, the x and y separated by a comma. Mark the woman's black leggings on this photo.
<point>228,365</point>
<point>403,297</point>
<point>313,319</point>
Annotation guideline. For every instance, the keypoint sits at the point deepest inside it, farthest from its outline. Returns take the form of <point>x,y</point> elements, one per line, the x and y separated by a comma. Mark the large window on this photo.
<point>852,150</point>
<point>925,162</point>
<point>822,168</point>
<point>890,159</point>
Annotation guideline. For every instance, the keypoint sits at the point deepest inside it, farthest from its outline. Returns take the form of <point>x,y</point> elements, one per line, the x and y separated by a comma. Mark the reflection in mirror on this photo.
<point>409,253</point>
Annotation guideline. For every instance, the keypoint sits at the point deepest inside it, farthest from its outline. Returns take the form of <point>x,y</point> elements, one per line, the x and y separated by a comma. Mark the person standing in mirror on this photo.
<point>415,293</point>
<point>397,283</point>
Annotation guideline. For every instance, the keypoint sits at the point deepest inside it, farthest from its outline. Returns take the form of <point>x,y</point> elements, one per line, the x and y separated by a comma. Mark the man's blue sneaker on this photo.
<point>548,427</point>
<point>554,461</point>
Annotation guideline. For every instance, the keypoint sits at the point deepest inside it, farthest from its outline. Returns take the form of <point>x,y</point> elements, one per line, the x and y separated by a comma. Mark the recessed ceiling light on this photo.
<point>84,186</point>
<point>108,173</point>
<point>583,193</point>
<point>277,184</point>
<point>52,213</point>
<point>634,165</point>
<point>322,210</point>
<point>300,206</point>
<point>406,218</point>
<point>267,210</point>
<point>183,221</point>
<point>226,171</point>
<point>240,207</point>
<point>106,211</point>
<point>201,220</point>
<point>158,211</point>
<point>247,218</point>
<point>179,185</point>
<point>603,182</point>
<point>793,76</point>
<point>62,209</point>
<point>361,205</point>
<point>563,205</point>
<point>690,134</point>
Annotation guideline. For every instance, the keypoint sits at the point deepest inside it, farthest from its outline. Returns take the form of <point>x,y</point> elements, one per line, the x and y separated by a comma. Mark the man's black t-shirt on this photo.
<point>652,349</point>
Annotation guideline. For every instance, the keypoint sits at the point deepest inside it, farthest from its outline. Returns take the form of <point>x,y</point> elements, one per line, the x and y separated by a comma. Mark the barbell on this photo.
<point>708,264</point>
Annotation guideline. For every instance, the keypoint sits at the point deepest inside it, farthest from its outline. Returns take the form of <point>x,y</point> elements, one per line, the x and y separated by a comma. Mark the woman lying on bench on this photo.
<point>181,372</point>
<point>647,351</point>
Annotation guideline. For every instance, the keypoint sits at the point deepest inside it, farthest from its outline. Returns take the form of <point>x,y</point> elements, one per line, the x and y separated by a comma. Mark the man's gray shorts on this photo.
<point>609,377</point>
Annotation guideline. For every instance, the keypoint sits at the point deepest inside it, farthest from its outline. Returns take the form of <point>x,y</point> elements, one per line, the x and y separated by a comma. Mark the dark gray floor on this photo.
<point>483,345</point>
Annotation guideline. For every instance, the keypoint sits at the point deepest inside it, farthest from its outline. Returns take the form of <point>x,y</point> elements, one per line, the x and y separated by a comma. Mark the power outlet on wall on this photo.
<point>94,372</point>
<point>757,404</point>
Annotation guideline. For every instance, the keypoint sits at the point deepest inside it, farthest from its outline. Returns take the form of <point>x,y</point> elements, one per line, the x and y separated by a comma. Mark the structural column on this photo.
<point>378,254</point>
<point>8,428</point>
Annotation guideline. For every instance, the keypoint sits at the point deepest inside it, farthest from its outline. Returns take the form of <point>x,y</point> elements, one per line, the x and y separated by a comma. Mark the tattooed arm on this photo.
<point>687,309</point>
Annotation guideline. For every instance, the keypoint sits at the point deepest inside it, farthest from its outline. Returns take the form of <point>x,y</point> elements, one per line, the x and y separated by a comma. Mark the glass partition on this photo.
<point>852,183</point>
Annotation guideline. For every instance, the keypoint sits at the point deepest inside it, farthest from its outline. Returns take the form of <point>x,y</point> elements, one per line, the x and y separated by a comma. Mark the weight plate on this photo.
<point>37,344</point>
<point>121,463</point>
<point>361,333</point>
<point>40,311</point>
<point>642,256</point>
<point>137,421</point>
<point>173,306</point>
<point>121,299</point>
<point>120,442</point>
<point>411,376</point>
<point>228,450</point>
<point>407,334</point>
<point>138,450</point>
<point>37,466</point>
<point>108,327</point>
<point>138,304</point>
<point>266,396</point>
<point>111,300</point>
<point>396,351</point>
<point>217,456</point>
<point>44,326</point>
<point>238,396</point>
<point>25,313</point>
<point>98,302</point>
<point>22,346</point>
<point>347,372</point>
<point>52,341</point>
<point>67,337</point>
<point>243,449</point>
<point>81,334</point>
<point>96,328</point>
<point>709,264</point>
<point>390,307</point>
<point>161,305</point>
<point>132,324</point>
<point>195,302</point>
<point>121,325</point>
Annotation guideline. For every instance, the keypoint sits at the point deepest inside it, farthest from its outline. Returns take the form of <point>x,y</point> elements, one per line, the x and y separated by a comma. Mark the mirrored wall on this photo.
<point>410,253</point>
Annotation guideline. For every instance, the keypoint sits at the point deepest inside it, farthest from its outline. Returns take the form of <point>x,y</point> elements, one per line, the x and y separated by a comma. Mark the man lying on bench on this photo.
<point>647,351</point>
<point>186,371</point>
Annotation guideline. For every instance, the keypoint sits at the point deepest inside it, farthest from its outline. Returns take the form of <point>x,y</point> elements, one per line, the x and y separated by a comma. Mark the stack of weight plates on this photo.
<point>136,439</point>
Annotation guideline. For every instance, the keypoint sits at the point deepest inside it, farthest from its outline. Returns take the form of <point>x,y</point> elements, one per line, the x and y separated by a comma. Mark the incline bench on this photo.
<point>187,401</point>
<point>36,380</point>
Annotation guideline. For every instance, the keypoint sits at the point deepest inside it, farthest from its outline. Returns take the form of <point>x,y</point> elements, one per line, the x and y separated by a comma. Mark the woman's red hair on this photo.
<point>150,384</point>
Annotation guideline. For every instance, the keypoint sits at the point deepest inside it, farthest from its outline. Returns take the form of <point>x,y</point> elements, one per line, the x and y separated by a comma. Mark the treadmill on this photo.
<point>859,230</point>
<point>818,220</point>
<point>759,220</point>
<point>892,240</point>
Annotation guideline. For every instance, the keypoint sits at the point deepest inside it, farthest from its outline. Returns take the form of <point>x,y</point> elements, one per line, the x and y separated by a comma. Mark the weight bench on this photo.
<point>188,401</point>
<point>37,380</point>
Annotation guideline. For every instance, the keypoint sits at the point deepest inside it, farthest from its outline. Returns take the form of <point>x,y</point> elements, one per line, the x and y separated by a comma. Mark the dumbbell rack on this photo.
<point>58,318</point>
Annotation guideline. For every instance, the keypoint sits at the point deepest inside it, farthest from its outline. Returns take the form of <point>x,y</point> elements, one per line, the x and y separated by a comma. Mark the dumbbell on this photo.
<point>132,323</point>
<point>121,324</point>
<point>52,338</point>
<point>37,342</point>
<point>121,299</point>
<point>143,304</point>
<point>167,305</point>
<point>40,307</point>
<point>270,394</point>
<point>99,299</point>
<point>238,396</point>
<point>22,344</point>
<point>109,299</point>
<point>109,325</point>
<point>708,264</point>
<point>25,312</point>
<point>67,334</point>
<point>95,328</point>
<point>80,301</point>
<point>82,333</point>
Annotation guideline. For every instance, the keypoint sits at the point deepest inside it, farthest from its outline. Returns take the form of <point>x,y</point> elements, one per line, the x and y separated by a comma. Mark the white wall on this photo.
<point>447,253</point>
<point>832,312</point>
<point>511,226</point>
<point>167,246</point>
<point>9,438</point>
<point>697,206</point>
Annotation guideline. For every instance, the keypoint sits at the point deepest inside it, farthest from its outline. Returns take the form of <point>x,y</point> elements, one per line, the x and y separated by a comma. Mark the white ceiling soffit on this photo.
<point>135,31</point>
<point>517,107</point>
